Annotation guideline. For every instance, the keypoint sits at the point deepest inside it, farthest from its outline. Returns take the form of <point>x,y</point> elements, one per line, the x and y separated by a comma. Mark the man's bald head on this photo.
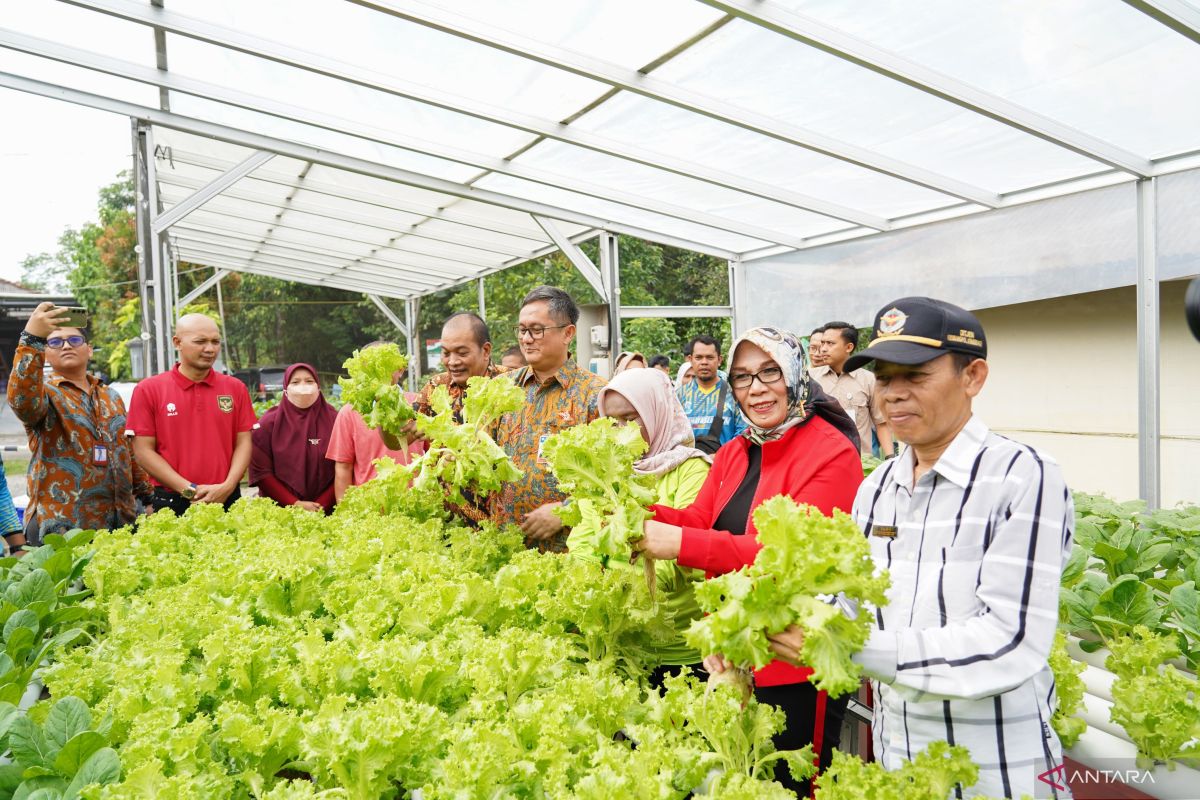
<point>189,323</point>
<point>198,340</point>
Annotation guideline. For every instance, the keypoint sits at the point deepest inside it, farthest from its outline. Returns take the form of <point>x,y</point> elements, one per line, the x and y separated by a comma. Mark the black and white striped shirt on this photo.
<point>975,549</point>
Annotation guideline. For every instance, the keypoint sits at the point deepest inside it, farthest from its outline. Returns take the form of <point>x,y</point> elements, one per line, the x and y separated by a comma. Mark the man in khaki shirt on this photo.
<point>854,390</point>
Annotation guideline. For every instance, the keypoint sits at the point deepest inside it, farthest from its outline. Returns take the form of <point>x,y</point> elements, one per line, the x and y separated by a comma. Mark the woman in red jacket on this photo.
<point>800,443</point>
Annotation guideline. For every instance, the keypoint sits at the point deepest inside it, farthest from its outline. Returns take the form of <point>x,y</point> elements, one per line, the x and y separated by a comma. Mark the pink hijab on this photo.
<point>651,394</point>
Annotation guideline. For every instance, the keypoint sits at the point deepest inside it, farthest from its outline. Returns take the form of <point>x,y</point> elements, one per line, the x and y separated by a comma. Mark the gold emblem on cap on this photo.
<point>892,322</point>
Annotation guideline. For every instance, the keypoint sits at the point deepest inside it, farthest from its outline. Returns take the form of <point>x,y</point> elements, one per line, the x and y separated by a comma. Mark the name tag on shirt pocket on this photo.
<point>99,455</point>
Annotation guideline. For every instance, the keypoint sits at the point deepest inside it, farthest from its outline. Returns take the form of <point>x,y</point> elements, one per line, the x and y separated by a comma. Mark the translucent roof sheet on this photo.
<point>416,144</point>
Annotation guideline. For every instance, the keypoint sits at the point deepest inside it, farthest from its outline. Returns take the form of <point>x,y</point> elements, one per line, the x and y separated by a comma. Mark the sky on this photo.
<point>54,157</point>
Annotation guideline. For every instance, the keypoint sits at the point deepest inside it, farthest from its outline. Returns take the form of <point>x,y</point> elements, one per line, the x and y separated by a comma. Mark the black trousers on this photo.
<point>165,498</point>
<point>810,715</point>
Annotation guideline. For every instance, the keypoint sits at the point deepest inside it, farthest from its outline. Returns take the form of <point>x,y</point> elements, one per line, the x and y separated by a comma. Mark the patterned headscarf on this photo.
<point>804,396</point>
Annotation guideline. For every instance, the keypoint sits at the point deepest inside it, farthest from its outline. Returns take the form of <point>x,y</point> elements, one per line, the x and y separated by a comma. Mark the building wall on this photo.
<point>1064,379</point>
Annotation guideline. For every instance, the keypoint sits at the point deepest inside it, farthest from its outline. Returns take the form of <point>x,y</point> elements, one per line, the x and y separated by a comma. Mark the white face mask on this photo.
<point>303,395</point>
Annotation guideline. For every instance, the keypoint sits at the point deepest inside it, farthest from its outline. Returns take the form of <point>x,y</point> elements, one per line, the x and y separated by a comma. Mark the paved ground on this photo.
<point>12,433</point>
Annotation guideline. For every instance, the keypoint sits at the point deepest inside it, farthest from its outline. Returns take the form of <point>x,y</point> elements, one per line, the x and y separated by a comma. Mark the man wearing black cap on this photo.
<point>974,530</point>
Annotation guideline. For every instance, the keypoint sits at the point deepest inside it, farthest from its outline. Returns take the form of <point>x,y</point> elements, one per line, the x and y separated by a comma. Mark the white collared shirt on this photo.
<point>959,652</point>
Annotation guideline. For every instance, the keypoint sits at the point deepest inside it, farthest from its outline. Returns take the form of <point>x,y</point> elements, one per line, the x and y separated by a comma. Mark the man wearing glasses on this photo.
<point>82,473</point>
<point>558,395</point>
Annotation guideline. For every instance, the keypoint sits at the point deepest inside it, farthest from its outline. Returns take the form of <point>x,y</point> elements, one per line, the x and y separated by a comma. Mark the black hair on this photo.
<point>819,329</point>
<point>687,349</point>
<point>478,326</point>
<point>87,337</point>
<point>561,306</point>
<point>515,350</point>
<point>960,361</point>
<point>703,339</point>
<point>848,332</point>
<point>659,360</point>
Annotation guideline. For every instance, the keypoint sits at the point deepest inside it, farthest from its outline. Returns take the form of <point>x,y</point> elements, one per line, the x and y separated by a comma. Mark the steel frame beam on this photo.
<point>445,266</point>
<point>388,313</point>
<point>342,161</point>
<point>339,215</point>
<point>203,287</point>
<point>586,268</point>
<point>737,297</point>
<point>1177,15</point>
<point>287,273</point>
<point>543,127</point>
<point>300,252</point>
<point>210,190</point>
<point>676,312</point>
<point>412,315</point>
<point>1148,331</point>
<point>142,220</point>
<point>808,31</point>
<point>263,105</point>
<point>450,215</point>
<point>631,80</point>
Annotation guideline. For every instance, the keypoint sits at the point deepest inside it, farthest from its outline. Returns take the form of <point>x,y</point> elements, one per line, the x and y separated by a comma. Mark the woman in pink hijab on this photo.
<point>646,398</point>
<point>287,460</point>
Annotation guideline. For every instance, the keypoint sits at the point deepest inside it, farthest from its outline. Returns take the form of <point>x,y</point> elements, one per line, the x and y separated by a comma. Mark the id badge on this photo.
<point>99,455</point>
<point>541,459</point>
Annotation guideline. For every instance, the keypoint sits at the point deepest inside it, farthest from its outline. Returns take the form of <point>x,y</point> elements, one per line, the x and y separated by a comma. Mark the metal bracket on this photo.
<point>576,256</point>
<point>204,286</point>
<point>387,312</point>
<point>210,190</point>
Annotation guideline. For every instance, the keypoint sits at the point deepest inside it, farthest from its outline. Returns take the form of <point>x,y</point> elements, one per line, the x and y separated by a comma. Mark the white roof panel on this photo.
<point>414,143</point>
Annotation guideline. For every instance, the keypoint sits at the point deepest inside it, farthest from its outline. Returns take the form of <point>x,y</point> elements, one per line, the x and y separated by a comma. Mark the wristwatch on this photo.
<point>189,492</point>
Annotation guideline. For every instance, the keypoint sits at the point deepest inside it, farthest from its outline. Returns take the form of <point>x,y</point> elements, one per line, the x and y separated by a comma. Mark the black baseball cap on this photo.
<point>913,330</point>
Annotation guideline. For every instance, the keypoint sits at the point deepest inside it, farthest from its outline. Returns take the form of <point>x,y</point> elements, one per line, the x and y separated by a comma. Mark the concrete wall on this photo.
<point>1064,379</point>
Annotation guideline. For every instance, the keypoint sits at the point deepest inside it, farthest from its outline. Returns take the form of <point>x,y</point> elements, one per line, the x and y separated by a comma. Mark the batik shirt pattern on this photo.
<point>700,408</point>
<point>457,393</point>
<point>66,424</point>
<point>562,401</point>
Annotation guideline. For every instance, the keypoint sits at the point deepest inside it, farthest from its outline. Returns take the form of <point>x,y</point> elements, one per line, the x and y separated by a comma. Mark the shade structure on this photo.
<point>410,146</point>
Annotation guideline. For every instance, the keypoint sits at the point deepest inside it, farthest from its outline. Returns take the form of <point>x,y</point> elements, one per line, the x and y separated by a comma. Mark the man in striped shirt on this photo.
<point>974,530</point>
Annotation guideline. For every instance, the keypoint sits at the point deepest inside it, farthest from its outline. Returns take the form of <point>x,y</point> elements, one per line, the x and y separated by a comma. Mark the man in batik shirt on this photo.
<point>558,395</point>
<point>81,473</point>
<point>466,354</point>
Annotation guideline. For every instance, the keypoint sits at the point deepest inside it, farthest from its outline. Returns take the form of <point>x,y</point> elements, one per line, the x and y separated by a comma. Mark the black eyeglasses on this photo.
<point>744,380</point>
<point>74,341</point>
<point>536,331</point>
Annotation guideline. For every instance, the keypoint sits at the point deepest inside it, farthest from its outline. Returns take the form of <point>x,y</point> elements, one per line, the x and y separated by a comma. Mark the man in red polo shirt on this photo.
<point>191,425</point>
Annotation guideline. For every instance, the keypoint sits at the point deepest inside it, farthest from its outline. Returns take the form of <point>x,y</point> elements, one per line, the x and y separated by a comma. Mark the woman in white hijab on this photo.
<point>646,398</point>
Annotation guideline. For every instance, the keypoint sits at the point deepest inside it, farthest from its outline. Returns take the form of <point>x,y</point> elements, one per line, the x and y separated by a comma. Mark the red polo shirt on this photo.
<point>195,423</point>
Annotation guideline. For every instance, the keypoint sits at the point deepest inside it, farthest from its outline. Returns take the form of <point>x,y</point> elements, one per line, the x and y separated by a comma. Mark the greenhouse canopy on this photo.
<point>398,147</point>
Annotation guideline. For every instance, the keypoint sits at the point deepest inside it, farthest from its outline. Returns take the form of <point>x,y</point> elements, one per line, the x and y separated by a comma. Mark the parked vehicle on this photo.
<point>262,382</point>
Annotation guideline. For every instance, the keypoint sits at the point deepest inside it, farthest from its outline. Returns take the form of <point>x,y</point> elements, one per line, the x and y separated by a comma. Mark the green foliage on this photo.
<point>245,653</point>
<point>1156,704</point>
<point>933,773</point>
<point>594,465</point>
<point>651,337</point>
<point>1068,693</point>
<point>805,556</point>
<point>371,390</point>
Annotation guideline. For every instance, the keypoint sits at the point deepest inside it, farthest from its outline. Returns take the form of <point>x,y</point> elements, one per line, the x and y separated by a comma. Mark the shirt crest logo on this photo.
<point>171,410</point>
<point>892,322</point>
<point>225,403</point>
<point>314,442</point>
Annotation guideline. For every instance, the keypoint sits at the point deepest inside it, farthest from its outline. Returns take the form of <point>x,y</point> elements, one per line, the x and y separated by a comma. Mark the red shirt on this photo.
<point>812,463</point>
<point>195,423</point>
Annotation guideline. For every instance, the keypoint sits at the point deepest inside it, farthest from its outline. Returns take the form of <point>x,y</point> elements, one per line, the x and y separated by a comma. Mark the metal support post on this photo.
<point>389,314</point>
<point>208,283</point>
<point>737,283</point>
<point>482,302</point>
<point>1149,443</point>
<point>219,274</point>
<point>412,311</point>
<point>142,217</point>
<point>610,270</point>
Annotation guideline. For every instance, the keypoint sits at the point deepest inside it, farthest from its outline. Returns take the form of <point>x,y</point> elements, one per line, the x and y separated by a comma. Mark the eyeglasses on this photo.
<point>744,380</point>
<point>74,341</point>
<point>536,331</point>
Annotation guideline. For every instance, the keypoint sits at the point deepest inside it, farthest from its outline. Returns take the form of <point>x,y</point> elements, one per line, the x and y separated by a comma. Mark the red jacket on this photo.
<point>812,463</point>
